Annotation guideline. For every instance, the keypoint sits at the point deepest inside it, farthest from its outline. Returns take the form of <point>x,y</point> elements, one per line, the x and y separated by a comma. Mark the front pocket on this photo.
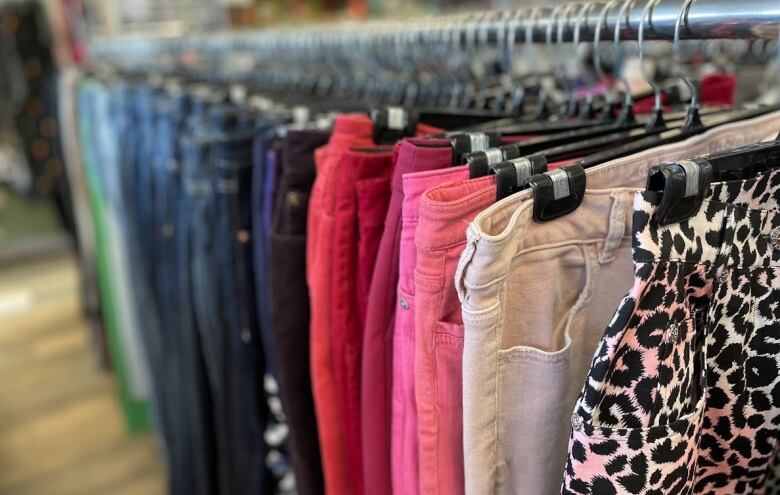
<point>659,459</point>
<point>680,382</point>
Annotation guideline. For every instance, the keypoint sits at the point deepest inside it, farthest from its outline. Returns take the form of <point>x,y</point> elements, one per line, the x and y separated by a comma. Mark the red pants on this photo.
<point>348,131</point>
<point>364,180</point>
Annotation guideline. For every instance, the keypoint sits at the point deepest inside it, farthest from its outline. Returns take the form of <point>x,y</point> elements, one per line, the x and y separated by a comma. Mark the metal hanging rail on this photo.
<point>701,19</point>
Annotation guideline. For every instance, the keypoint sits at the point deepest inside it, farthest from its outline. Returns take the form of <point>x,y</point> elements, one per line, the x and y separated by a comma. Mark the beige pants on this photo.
<point>536,298</point>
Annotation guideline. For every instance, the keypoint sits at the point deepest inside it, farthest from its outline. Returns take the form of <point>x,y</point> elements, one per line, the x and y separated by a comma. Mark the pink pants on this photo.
<point>411,155</point>
<point>404,411</point>
<point>444,213</point>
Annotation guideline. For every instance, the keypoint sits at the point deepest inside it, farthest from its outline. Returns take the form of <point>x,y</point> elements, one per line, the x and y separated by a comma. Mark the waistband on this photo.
<point>351,129</point>
<point>446,210</point>
<point>738,225</point>
<point>419,155</point>
<point>338,188</point>
<point>298,143</point>
<point>603,218</point>
<point>298,148</point>
<point>415,185</point>
<point>366,163</point>
<point>498,220</point>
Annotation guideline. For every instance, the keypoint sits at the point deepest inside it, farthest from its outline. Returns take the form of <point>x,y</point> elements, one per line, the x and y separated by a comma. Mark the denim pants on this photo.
<point>233,256</point>
<point>167,237</point>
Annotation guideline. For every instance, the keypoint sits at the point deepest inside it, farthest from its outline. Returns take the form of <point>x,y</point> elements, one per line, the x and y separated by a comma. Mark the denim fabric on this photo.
<point>199,293</point>
<point>236,300</point>
<point>169,242</point>
<point>175,170</point>
<point>105,135</point>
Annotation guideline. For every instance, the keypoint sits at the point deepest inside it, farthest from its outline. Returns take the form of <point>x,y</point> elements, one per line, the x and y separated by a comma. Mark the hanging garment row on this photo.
<point>573,294</point>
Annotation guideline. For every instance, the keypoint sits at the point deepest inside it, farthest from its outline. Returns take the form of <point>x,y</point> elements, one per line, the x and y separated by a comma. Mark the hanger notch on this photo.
<point>682,187</point>
<point>557,193</point>
<point>469,142</point>
<point>513,175</point>
<point>480,163</point>
<point>392,123</point>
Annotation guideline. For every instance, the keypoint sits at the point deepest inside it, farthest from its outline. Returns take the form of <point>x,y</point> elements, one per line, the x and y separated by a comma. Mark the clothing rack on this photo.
<point>701,19</point>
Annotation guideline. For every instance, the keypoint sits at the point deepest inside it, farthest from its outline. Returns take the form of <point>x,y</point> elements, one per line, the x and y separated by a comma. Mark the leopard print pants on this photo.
<point>683,395</point>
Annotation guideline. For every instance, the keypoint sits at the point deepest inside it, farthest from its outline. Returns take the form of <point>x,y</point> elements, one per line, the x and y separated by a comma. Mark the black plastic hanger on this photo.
<point>469,142</point>
<point>513,175</point>
<point>690,128</point>
<point>644,127</point>
<point>680,188</point>
<point>392,123</point>
<point>557,193</point>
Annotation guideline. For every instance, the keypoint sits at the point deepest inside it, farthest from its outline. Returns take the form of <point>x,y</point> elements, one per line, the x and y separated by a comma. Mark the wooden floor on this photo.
<point>61,429</point>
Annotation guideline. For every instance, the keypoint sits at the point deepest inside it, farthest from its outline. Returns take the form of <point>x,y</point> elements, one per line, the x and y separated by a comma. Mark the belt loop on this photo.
<point>616,229</point>
<point>472,236</point>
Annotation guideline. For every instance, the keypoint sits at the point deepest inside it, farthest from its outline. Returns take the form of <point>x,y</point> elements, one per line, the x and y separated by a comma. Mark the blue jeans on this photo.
<point>233,254</point>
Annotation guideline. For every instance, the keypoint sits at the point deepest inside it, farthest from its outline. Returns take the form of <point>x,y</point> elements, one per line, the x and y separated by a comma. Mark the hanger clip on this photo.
<point>681,186</point>
<point>468,142</point>
<point>391,124</point>
<point>557,193</point>
<point>513,175</point>
<point>657,121</point>
<point>482,162</point>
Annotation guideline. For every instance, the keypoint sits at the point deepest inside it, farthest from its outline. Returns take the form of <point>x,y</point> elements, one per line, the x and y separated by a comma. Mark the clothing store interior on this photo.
<point>389,247</point>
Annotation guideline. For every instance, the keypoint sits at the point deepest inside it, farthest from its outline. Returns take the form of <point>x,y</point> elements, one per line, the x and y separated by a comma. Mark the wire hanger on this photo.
<point>693,119</point>
<point>627,114</point>
<point>692,125</point>
<point>657,118</point>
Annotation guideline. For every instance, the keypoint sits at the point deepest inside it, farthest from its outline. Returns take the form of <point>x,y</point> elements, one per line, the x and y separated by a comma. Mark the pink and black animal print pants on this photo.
<point>683,395</point>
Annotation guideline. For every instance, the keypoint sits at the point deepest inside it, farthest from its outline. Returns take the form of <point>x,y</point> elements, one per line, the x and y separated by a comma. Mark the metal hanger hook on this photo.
<point>510,38</point>
<point>602,21</point>
<point>576,39</point>
<point>686,7</point>
<point>564,20</point>
<point>641,39</point>
<point>556,11</point>
<point>629,99</point>
<point>581,16</point>
<point>529,47</point>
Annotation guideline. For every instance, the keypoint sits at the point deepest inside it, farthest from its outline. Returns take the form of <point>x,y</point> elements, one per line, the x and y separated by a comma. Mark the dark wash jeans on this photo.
<point>132,109</point>
<point>233,237</point>
<point>198,294</point>
<point>168,237</point>
<point>183,184</point>
<point>289,304</point>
